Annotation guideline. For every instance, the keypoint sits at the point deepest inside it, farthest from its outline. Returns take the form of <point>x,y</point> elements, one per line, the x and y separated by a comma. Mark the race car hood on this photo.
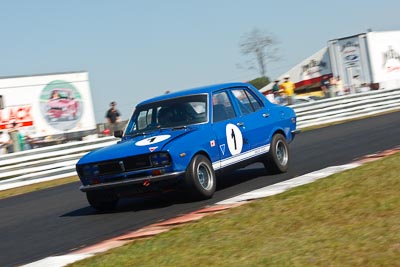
<point>131,146</point>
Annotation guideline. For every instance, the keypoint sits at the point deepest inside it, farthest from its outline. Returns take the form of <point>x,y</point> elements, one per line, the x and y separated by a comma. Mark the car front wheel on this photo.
<point>277,159</point>
<point>200,178</point>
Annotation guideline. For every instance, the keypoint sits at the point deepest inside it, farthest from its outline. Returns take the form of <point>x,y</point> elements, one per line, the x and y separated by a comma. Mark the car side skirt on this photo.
<point>236,159</point>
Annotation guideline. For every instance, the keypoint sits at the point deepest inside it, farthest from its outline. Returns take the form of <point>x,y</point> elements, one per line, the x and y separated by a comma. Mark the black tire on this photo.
<point>200,181</point>
<point>102,200</point>
<point>277,159</point>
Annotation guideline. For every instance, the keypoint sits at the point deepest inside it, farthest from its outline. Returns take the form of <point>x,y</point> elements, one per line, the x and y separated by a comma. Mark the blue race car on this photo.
<point>183,140</point>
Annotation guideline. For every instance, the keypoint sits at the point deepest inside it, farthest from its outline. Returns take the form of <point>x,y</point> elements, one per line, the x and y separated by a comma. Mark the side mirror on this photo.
<point>118,133</point>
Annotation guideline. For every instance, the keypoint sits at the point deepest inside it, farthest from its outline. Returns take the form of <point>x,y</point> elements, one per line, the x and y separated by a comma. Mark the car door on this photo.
<point>231,137</point>
<point>253,117</point>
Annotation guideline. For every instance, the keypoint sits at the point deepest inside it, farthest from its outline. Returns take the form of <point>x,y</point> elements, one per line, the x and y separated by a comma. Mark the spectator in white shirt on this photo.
<point>4,142</point>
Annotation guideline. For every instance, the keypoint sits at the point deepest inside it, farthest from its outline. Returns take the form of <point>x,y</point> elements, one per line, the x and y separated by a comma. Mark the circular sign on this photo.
<point>152,140</point>
<point>234,139</point>
<point>61,105</point>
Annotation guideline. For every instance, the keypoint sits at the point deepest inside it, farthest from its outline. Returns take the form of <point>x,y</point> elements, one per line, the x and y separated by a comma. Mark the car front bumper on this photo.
<point>134,181</point>
<point>295,132</point>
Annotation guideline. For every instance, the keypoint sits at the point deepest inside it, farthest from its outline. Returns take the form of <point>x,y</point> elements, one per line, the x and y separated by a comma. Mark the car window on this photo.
<point>247,102</point>
<point>144,118</point>
<point>222,107</point>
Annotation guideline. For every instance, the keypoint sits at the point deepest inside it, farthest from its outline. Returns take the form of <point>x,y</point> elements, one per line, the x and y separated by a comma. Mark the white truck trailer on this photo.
<point>369,59</point>
<point>363,62</point>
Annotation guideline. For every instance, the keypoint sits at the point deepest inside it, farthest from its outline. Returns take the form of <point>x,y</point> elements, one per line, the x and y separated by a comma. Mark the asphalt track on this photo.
<point>58,220</point>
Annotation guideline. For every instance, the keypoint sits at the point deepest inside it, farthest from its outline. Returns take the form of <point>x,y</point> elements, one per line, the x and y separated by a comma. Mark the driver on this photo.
<point>165,116</point>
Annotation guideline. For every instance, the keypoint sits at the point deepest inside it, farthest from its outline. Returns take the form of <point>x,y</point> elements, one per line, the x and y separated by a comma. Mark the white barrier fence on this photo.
<point>45,164</point>
<point>346,107</point>
<point>58,161</point>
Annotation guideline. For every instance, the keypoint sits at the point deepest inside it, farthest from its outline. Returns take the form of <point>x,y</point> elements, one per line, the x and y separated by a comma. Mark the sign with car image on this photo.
<point>61,104</point>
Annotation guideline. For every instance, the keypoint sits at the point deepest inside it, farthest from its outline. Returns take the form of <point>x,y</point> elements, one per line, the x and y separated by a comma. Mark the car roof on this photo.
<point>194,91</point>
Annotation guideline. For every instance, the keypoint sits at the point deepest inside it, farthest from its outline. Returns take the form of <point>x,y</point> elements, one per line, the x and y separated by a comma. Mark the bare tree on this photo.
<point>262,46</point>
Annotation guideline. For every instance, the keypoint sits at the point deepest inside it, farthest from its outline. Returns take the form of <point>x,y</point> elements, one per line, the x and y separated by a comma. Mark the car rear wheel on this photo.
<point>200,178</point>
<point>277,159</point>
<point>102,200</point>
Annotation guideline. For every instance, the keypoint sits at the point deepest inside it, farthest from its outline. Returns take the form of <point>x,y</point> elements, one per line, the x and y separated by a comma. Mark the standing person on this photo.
<point>332,86</point>
<point>356,83</point>
<point>288,87</point>
<point>4,142</point>
<point>281,98</point>
<point>325,86</point>
<point>339,87</point>
<point>275,89</point>
<point>16,138</point>
<point>113,117</point>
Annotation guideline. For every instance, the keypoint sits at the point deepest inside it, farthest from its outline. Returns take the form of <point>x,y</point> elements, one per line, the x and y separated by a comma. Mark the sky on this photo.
<point>134,50</point>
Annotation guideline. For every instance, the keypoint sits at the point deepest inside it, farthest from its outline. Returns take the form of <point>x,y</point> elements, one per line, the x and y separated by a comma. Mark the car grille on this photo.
<point>126,164</point>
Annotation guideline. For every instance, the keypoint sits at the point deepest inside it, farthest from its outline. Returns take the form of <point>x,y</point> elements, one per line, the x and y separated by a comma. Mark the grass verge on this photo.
<point>348,219</point>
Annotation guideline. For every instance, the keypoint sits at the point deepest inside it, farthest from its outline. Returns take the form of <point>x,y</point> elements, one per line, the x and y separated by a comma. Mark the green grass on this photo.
<point>348,219</point>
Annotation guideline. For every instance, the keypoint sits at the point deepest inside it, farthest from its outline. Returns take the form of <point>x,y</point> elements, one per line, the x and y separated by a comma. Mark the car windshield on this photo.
<point>170,113</point>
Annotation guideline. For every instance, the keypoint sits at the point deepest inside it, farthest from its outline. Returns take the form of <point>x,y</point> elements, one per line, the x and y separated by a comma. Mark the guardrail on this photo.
<point>58,161</point>
<point>346,107</point>
<point>47,163</point>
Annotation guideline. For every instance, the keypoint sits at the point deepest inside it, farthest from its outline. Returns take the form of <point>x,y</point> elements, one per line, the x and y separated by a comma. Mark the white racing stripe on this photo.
<point>241,157</point>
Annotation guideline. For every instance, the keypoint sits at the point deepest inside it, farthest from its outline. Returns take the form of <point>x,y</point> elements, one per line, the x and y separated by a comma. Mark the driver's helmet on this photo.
<point>165,116</point>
